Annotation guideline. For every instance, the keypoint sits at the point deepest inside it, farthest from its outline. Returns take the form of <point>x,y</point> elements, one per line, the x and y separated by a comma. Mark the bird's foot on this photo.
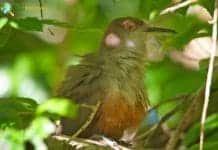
<point>106,141</point>
<point>124,143</point>
<point>110,142</point>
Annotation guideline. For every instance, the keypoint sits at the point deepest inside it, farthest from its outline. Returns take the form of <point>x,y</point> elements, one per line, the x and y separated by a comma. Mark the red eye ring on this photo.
<point>128,25</point>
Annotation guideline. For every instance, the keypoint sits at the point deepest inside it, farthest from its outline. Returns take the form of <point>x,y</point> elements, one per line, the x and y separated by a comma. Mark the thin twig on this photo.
<point>86,124</point>
<point>192,113</point>
<point>41,11</point>
<point>58,142</point>
<point>163,119</point>
<point>177,6</point>
<point>173,99</point>
<point>209,76</point>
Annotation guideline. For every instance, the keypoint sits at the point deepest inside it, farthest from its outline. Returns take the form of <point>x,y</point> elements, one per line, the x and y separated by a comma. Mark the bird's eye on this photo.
<point>128,25</point>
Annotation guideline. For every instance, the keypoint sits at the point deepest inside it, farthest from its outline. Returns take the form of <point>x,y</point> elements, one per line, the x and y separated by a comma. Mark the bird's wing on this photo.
<point>78,77</point>
<point>82,86</point>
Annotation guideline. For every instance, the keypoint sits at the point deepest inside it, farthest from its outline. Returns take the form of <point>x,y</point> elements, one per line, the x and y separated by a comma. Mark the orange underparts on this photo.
<point>116,114</point>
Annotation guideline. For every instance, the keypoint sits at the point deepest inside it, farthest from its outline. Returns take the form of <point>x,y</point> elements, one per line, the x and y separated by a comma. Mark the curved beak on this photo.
<point>158,29</point>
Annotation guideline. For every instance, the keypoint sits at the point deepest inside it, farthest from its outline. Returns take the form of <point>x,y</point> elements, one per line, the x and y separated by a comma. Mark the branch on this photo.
<point>209,75</point>
<point>69,143</point>
<point>192,113</point>
<point>178,6</point>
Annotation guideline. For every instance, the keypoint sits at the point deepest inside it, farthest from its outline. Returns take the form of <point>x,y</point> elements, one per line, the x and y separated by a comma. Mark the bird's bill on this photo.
<point>158,29</point>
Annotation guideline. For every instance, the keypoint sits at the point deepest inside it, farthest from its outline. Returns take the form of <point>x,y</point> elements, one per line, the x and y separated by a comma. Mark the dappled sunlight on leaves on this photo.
<point>58,106</point>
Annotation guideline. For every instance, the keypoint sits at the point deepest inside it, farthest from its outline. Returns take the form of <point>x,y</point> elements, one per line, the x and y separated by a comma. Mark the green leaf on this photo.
<point>35,24</point>
<point>113,9</point>
<point>187,28</point>
<point>29,24</point>
<point>208,4</point>
<point>56,23</point>
<point>166,79</point>
<point>16,112</point>
<point>193,134</point>
<point>40,128</point>
<point>3,22</point>
<point>149,7</point>
<point>205,63</point>
<point>204,66</point>
<point>13,24</point>
<point>5,34</point>
<point>61,107</point>
<point>12,138</point>
<point>207,146</point>
<point>80,35</point>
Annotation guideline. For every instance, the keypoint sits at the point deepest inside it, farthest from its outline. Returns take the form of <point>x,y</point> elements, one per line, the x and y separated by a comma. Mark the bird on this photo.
<point>108,85</point>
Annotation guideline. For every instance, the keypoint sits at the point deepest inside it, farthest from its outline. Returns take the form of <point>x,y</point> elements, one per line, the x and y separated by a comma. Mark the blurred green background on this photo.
<point>32,64</point>
<point>35,50</point>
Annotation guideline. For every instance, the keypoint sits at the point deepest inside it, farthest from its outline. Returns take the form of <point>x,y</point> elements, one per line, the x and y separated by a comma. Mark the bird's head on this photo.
<point>128,37</point>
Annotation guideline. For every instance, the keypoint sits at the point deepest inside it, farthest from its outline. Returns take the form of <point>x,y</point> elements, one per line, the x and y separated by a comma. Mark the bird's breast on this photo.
<point>116,115</point>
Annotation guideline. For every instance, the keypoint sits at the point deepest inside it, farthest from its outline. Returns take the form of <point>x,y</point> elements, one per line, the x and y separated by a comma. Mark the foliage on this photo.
<point>34,58</point>
<point>23,120</point>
